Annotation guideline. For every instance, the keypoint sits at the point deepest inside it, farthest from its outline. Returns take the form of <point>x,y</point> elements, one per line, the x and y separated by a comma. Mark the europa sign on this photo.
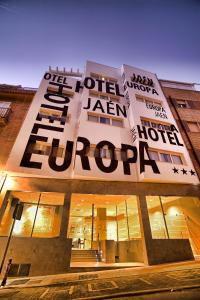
<point>141,83</point>
<point>62,101</point>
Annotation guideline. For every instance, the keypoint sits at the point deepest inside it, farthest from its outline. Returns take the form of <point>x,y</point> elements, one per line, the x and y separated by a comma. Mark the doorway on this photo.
<point>96,220</point>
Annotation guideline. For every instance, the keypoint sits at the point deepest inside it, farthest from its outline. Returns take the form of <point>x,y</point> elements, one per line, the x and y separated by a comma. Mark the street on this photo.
<point>176,283</point>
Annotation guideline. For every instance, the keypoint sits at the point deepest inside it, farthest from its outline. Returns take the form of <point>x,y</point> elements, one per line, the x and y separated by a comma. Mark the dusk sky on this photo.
<point>161,36</point>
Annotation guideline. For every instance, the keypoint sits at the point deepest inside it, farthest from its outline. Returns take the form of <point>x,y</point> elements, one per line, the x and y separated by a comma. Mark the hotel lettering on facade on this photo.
<point>103,161</point>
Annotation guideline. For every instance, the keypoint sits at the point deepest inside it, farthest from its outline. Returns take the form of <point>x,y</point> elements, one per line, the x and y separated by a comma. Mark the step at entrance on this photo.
<point>83,255</point>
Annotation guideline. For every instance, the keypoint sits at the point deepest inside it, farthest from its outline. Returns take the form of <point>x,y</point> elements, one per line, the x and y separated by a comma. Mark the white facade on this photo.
<point>102,127</point>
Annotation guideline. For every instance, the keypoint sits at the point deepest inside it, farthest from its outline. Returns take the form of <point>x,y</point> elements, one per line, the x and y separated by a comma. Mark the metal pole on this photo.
<point>127,220</point>
<point>117,225</point>
<point>7,245</point>
<point>164,217</point>
<point>92,232</point>
<point>4,180</point>
<point>36,214</point>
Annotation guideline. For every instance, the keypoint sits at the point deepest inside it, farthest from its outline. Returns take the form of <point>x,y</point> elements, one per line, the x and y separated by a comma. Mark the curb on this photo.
<point>142,292</point>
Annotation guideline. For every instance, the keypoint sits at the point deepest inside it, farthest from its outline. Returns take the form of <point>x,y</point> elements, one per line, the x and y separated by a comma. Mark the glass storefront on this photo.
<point>175,217</point>
<point>96,218</point>
<point>41,214</point>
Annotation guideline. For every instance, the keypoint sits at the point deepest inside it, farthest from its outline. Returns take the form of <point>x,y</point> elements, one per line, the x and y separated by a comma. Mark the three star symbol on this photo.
<point>184,171</point>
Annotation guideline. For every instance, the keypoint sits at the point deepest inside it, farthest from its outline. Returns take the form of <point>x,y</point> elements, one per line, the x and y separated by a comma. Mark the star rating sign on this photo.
<point>175,170</point>
<point>192,172</point>
<point>184,171</point>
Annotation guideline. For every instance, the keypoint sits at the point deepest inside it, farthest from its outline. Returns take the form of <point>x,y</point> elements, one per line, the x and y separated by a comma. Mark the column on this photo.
<point>65,215</point>
<point>145,228</point>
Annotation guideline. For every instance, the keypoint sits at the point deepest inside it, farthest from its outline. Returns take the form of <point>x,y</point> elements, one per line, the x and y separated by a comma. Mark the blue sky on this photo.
<point>156,35</point>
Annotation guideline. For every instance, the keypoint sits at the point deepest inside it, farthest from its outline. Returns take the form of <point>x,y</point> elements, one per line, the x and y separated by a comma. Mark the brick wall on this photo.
<point>9,131</point>
<point>191,114</point>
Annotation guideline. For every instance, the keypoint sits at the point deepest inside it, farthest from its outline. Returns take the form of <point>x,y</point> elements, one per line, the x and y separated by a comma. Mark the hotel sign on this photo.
<point>54,95</point>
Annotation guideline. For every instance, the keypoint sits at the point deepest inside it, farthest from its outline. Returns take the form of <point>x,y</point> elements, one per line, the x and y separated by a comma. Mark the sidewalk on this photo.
<point>51,280</point>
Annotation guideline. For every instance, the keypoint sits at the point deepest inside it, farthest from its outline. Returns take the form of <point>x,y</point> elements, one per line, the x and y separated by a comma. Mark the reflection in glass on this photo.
<point>41,215</point>
<point>175,217</point>
<point>95,218</point>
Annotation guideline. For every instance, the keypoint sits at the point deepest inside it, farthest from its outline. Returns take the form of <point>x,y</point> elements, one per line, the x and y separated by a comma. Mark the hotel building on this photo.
<point>105,167</point>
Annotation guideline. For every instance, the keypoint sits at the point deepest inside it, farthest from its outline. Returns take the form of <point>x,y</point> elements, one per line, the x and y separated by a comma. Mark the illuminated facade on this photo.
<point>101,164</point>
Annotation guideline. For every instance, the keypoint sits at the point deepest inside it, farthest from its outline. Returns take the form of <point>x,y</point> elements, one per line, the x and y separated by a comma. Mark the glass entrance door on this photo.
<point>94,218</point>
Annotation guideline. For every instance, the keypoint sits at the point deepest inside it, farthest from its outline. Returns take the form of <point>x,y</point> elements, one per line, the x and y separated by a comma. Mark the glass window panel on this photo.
<point>148,101</point>
<point>24,226</point>
<point>140,99</point>
<point>133,217</point>
<point>182,103</point>
<point>175,219</point>
<point>167,127</point>
<point>5,104</point>
<point>165,157</point>
<point>118,123</point>
<point>104,120</point>
<point>92,118</point>
<point>146,123</point>
<point>157,103</point>
<point>177,159</point>
<point>154,125</point>
<point>48,217</point>
<point>103,97</point>
<point>156,218</point>
<point>103,153</point>
<point>122,221</point>
<point>154,155</point>
<point>57,152</point>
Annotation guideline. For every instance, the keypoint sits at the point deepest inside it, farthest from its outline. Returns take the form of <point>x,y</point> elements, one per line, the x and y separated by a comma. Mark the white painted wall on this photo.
<point>96,132</point>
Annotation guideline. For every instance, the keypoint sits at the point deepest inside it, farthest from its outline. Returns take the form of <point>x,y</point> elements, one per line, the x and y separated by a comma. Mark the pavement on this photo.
<point>166,281</point>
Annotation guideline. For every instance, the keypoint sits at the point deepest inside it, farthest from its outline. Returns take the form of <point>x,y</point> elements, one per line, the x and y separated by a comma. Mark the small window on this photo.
<point>154,155</point>
<point>103,97</point>
<point>124,156</point>
<point>93,94</point>
<point>118,123</point>
<point>167,127</point>
<point>140,99</point>
<point>154,125</point>
<point>145,123</point>
<point>176,159</point>
<point>57,152</point>
<point>113,98</point>
<point>5,109</point>
<point>5,104</point>
<point>193,126</point>
<point>157,103</point>
<point>165,157</point>
<point>92,118</point>
<point>104,120</point>
<point>182,103</point>
<point>148,101</point>
<point>103,153</point>
<point>41,148</point>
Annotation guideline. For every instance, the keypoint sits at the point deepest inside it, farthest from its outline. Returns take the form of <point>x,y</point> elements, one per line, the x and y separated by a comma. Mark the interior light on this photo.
<point>173,211</point>
<point>31,210</point>
<point>18,226</point>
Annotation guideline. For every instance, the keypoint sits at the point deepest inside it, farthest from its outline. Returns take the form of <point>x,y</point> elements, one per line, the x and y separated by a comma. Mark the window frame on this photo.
<point>171,154</point>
